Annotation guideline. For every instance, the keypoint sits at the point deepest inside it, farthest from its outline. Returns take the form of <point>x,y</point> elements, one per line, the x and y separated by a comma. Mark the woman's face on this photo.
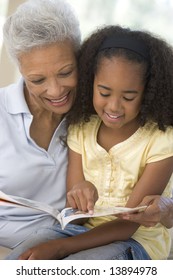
<point>50,75</point>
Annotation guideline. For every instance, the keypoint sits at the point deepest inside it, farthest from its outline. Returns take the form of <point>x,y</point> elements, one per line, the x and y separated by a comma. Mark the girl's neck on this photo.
<point>108,137</point>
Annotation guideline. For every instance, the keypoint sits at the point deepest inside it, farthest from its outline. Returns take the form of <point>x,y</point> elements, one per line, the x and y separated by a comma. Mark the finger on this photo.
<point>140,221</point>
<point>71,201</point>
<point>92,197</point>
<point>25,256</point>
<point>142,218</point>
<point>133,217</point>
<point>74,200</point>
<point>32,257</point>
<point>82,199</point>
<point>148,199</point>
<point>90,206</point>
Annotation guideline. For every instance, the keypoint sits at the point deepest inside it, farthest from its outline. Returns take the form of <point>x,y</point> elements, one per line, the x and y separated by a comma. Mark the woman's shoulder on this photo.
<point>7,91</point>
<point>3,92</point>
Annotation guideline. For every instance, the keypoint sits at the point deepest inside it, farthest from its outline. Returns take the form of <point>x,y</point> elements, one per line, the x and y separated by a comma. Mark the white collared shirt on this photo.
<point>26,169</point>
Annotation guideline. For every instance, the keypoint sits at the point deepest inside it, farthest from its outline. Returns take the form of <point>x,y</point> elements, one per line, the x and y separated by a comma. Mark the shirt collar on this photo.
<point>16,103</point>
<point>15,99</point>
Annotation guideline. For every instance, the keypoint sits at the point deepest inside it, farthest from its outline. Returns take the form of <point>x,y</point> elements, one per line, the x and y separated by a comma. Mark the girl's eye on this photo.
<point>128,99</point>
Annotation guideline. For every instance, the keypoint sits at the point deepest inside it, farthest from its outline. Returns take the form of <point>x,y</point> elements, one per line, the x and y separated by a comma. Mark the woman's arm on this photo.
<point>159,210</point>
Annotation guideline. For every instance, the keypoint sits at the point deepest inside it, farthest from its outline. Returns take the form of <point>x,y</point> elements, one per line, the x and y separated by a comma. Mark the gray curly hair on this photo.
<point>37,23</point>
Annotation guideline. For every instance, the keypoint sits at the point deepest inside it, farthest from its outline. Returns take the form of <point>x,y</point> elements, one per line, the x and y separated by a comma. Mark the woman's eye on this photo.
<point>38,81</point>
<point>65,74</point>
<point>104,94</point>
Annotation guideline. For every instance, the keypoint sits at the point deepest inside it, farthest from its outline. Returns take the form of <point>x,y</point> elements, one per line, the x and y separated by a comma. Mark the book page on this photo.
<point>15,201</point>
<point>70,214</point>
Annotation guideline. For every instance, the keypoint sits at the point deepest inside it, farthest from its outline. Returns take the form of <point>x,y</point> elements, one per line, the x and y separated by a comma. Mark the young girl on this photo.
<point>120,143</point>
<point>126,148</point>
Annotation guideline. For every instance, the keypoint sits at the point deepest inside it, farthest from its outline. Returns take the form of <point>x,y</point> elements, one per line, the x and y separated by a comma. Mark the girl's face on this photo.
<point>118,91</point>
<point>50,75</point>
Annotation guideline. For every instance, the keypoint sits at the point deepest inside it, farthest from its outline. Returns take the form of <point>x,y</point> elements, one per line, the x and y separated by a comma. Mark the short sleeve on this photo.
<point>160,146</point>
<point>74,138</point>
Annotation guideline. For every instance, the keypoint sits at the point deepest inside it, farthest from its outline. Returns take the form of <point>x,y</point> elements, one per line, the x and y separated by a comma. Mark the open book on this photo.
<point>66,215</point>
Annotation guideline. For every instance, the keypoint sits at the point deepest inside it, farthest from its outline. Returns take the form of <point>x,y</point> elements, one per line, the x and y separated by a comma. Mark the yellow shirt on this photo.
<point>116,172</point>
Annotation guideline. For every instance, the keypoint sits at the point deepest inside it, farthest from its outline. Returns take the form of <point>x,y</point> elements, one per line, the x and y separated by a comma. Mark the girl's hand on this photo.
<point>159,210</point>
<point>51,250</point>
<point>83,196</point>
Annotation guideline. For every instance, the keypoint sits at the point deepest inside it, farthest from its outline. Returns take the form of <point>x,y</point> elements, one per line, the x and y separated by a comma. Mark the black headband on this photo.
<point>126,42</point>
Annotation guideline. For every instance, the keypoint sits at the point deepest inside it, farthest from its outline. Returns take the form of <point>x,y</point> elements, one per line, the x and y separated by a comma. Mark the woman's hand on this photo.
<point>83,196</point>
<point>159,210</point>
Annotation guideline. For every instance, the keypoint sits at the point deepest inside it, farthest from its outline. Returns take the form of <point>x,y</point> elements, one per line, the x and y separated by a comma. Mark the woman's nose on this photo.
<point>54,88</point>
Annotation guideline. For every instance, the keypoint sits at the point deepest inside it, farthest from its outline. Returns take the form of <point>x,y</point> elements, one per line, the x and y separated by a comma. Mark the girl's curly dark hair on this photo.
<point>157,104</point>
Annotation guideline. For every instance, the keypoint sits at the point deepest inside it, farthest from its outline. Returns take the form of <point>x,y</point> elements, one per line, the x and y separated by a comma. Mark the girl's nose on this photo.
<point>115,104</point>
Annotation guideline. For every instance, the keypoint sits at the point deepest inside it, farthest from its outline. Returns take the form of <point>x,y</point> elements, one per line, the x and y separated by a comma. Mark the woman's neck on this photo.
<point>44,122</point>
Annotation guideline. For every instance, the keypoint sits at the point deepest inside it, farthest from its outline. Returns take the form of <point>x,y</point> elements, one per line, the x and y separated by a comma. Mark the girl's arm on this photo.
<point>153,181</point>
<point>81,194</point>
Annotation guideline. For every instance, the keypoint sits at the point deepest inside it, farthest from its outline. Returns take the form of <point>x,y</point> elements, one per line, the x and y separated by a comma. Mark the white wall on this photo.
<point>8,71</point>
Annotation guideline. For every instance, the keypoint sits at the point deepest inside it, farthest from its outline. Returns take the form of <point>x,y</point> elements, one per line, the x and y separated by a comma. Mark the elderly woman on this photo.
<point>43,38</point>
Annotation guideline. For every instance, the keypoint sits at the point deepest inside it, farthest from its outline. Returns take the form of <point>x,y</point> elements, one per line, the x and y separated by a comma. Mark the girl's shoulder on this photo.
<point>159,139</point>
<point>79,133</point>
<point>153,129</point>
<point>85,126</point>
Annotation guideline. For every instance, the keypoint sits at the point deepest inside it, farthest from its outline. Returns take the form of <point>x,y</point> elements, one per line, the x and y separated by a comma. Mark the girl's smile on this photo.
<point>118,91</point>
<point>114,118</point>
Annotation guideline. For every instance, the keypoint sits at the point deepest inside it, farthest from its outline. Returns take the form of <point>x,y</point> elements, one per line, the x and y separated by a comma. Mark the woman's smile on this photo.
<point>60,101</point>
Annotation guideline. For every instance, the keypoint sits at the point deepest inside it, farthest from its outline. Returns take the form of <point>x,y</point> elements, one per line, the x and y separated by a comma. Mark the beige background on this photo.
<point>8,71</point>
